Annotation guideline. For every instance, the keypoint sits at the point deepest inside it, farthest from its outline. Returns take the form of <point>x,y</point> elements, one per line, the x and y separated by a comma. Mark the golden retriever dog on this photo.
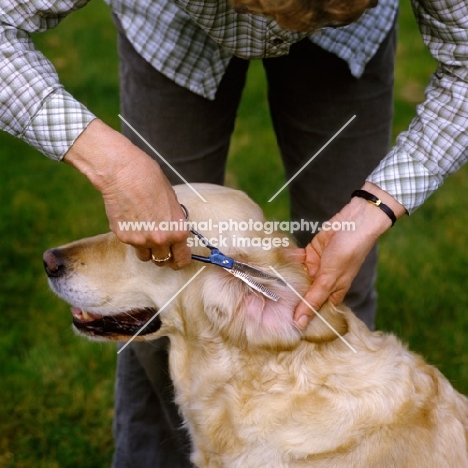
<point>255,391</point>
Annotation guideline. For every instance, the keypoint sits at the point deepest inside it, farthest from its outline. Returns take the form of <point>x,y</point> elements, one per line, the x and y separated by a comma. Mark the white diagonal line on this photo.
<point>312,158</point>
<point>313,310</point>
<point>161,309</point>
<point>159,155</point>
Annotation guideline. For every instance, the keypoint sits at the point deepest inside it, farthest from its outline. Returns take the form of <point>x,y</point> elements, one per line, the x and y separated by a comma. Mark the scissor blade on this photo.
<point>256,272</point>
<point>246,278</point>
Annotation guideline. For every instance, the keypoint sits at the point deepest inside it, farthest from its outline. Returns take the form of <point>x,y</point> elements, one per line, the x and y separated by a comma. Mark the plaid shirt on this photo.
<point>192,41</point>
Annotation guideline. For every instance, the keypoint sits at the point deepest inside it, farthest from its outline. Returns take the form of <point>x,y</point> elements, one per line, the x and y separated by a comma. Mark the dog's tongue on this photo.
<point>81,315</point>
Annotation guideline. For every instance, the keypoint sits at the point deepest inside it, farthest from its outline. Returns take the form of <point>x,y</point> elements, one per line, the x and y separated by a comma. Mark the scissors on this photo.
<point>240,270</point>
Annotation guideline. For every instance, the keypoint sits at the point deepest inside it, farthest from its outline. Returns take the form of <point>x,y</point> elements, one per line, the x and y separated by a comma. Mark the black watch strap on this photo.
<point>377,202</point>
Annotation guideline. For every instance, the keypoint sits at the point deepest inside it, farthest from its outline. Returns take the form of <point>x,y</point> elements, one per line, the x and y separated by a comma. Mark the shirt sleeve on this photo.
<point>34,106</point>
<point>436,143</point>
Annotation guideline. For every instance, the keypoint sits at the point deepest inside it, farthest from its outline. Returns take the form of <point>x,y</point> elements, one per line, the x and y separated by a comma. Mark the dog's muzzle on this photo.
<point>53,263</point>
<point>120,326</point>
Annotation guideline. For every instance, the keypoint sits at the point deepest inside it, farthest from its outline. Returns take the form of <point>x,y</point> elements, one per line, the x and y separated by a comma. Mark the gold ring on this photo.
<point>161,260</point>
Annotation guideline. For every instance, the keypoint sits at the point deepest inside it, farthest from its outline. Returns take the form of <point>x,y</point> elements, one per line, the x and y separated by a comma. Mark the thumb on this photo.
<point>313,300</point>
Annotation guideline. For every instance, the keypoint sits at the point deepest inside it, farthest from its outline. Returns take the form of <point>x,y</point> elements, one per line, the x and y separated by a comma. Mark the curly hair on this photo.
<point>306,15</point>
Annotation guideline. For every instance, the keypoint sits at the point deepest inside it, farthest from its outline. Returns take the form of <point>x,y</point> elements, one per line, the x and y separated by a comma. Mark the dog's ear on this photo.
<point>248,319</point>
<point>331,323</point>
<point>269,324</point>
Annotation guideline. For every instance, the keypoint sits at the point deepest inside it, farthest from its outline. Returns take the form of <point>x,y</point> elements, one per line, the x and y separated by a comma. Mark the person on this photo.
<point>183,67</point>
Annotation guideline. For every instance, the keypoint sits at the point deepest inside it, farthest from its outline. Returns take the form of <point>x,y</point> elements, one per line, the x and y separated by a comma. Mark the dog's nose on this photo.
<point>53,263</point>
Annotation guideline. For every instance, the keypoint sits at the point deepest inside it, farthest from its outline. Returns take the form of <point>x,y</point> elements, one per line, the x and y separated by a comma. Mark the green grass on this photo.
<point>56,389</point>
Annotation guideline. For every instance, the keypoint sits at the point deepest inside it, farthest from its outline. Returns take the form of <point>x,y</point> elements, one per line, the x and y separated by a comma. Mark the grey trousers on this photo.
<point>311,95</point>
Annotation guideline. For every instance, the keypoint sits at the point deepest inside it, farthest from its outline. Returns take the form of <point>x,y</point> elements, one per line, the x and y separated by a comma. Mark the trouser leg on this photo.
<point>312,95</point>
<point>147,426</point>
<point>192,134</point>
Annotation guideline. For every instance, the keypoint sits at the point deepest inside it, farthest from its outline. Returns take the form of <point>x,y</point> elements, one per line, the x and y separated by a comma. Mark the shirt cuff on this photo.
<point>57,124</point>
<point>407,180</point>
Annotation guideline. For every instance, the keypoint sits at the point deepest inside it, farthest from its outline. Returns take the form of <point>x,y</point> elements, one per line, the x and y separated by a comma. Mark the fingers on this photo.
<point>322,289</point>
<point>171,249</point>
<point>148,230</point>
<point>181,255</point>
<point>313,301</point>
<point>320,259</point>
<point>175,256</point>
<point>143,254</point>
<point>160,260</point>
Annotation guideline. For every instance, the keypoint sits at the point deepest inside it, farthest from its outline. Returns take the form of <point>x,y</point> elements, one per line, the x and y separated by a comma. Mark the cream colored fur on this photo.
<point>254,390</point>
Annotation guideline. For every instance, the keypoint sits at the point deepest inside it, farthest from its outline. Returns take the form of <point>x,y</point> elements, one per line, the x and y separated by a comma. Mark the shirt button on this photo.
<point>278,40</point>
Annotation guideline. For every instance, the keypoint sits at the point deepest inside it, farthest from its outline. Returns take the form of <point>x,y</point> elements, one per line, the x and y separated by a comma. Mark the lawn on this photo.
<point>56,389</point>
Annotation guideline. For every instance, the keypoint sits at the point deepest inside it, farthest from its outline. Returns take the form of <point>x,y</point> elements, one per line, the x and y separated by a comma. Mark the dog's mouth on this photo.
<point>126,324</point>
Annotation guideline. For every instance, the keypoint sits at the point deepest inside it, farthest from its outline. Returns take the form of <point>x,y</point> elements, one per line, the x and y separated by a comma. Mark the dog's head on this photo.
<point>115,296</point>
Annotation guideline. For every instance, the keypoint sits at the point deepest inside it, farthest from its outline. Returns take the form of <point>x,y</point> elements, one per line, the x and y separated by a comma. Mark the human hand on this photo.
<point>134,189</point>
<point>334,257</point>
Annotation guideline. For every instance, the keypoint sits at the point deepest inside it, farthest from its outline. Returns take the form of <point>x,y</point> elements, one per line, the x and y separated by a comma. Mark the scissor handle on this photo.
<point>201,259</point>
<point>203,239</point>
<point>216,258</point>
